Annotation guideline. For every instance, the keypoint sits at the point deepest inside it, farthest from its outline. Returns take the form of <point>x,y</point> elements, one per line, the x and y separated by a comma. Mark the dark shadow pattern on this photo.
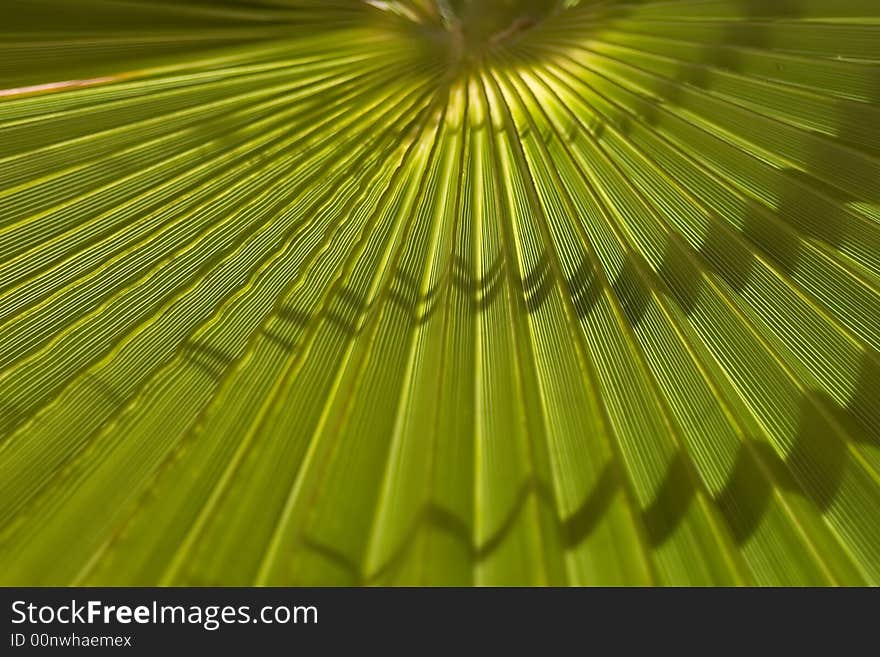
<point>861,416</point>
<point>584,288</point>
<point>806,204</point>
<point>207,358</point>
<point>632,290</point>
<point>11,416</point>
<point>537,285</point>
<point>814,468</point>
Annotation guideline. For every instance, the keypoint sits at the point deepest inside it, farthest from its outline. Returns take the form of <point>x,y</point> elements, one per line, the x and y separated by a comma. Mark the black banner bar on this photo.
<point>549,621</point>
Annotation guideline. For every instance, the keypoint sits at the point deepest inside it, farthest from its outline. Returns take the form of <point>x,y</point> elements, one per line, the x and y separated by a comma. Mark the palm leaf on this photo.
<point>344,292</point>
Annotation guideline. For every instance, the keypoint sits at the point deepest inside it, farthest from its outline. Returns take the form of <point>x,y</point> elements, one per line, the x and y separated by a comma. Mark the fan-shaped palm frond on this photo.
<point>457,292</point>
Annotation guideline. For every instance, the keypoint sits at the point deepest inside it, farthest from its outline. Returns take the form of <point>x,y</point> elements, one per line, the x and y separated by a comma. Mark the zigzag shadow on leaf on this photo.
<point>814,468</point>
<point>207,358</point>
<point>858,128</point>
<point>347,310</point>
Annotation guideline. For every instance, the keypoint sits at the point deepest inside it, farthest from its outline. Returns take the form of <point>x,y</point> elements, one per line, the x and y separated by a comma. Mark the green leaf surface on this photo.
<point>440,293</point>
